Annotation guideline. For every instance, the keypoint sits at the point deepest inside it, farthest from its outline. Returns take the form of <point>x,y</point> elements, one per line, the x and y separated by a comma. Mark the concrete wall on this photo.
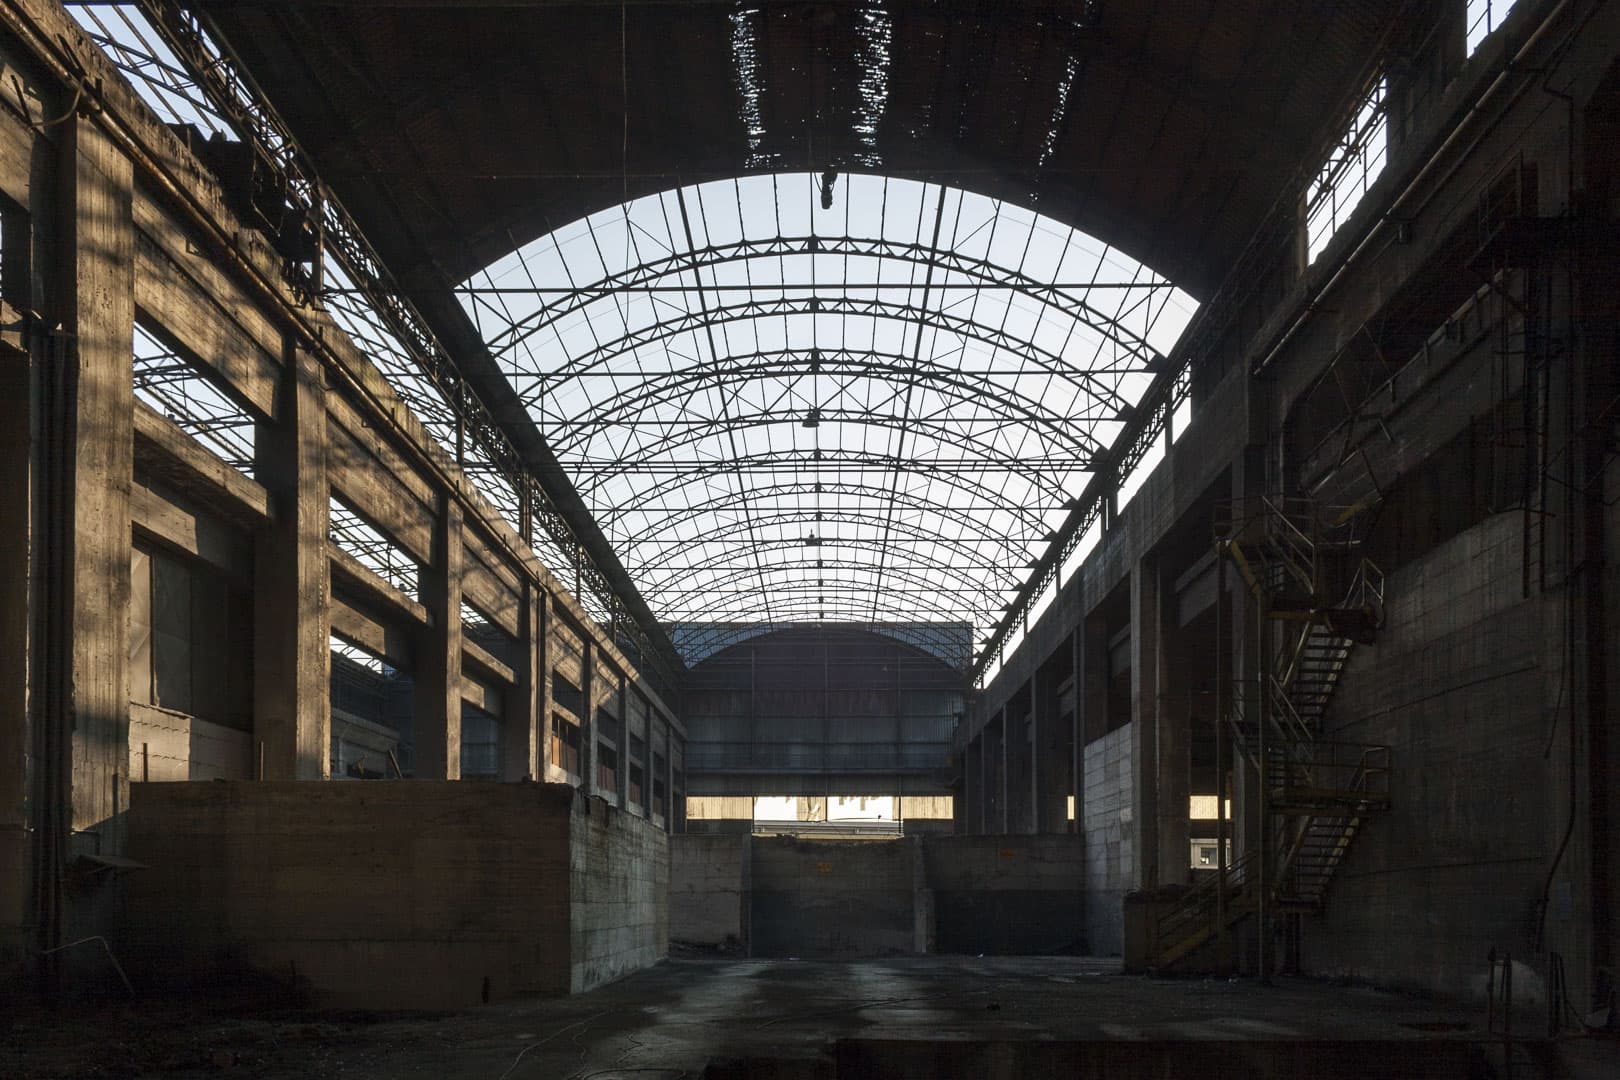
<point>1109,853</point>
<point>618,894</point>
<point>1000,895</point>
<point>1005,896</point>
<point>831,898</point>
<point>417,894</point>
<point>1463,686</point>
<point>709,889</point>
<point>98,479</point>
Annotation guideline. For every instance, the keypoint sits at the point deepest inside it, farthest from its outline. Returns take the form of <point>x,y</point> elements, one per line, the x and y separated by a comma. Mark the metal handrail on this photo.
<point>1169,929</point>
<point>1369,772</point>
<point>1366,591</point>
<point>1285,718</point>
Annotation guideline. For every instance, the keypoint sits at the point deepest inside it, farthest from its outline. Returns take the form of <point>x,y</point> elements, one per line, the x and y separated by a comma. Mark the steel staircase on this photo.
<point>1317,599</point>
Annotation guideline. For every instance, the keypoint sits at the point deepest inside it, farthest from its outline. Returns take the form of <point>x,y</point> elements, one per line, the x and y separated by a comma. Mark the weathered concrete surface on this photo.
<point>834,898</point>
<point>997,895</point>
<point>710,887</point>
<point>1463,685</point>
<point>1109,851</point>
<point>1007,895</point>
<point>415,894</point>
<point>684,1015</point>
<point>618,897</point>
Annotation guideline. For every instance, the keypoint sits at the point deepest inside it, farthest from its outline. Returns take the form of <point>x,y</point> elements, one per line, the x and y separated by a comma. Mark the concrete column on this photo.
<point>1145,667</point>
<point>17,394</point>
<point>98,348</point>
<point>437,700</point>
<point>621,776</point>
<point>971,810</point>
<point>524,729</point>
<point>292,601</point>
<point>1077,728</point>
<point>1175,683</point>
<point>1022,776</point>
<point>1091,700</point>
<point>587,723</point>
<point>669,773</point>
<point>1054,751</point>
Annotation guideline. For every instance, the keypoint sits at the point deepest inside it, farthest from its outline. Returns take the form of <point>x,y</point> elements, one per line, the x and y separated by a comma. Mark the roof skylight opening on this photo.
<point>136,48</point>
<point>1351,167</point>
<point>920,376</point>
<point>745,59</point>
<point>1484,17</point>
<point>1060,111</point>
<point>875,36</point>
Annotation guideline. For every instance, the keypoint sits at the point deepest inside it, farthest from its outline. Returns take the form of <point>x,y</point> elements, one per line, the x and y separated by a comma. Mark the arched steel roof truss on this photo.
<point>843,399</point>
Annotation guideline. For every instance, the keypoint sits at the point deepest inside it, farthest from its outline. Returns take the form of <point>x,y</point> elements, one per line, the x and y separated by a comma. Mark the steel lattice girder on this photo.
<point>799,364</point>
<point>979,273</point>
<point>686,322</point>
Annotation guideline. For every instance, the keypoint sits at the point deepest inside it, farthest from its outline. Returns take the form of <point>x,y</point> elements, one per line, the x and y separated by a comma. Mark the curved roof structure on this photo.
<point>456,133</point>
<point>666,390</point>
<point>791,398</point>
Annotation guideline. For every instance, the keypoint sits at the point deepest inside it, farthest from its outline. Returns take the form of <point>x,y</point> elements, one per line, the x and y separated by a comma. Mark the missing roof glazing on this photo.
<point>745,60</point>
<point>873,413</point>
<point>875,36</point>
<point>1060,110</point>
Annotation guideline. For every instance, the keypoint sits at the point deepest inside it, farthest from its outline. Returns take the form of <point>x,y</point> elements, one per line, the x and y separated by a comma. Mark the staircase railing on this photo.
<point>1318,793</point>
<point>1366,592</point>
<point>1345,773</point>
<point>1198,909</point>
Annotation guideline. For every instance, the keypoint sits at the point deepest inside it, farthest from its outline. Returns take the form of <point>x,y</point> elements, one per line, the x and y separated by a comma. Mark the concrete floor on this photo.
<point>676,1019</point>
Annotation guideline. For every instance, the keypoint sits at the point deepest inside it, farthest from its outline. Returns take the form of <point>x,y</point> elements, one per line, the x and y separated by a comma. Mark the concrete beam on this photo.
<point>162,449</point>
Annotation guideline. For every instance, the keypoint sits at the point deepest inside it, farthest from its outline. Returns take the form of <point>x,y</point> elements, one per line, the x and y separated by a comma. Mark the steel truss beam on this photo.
<point>626,461</point>
<point>988,568</point>
<point>219,75</point>
<point>799,364</point>
<point>933,639</point>
<point>965,516</point>
<point>936,472</point>
<point>732,581</point>
<point>980,274</point>
<point>684,322</point>
<point>841,603</point>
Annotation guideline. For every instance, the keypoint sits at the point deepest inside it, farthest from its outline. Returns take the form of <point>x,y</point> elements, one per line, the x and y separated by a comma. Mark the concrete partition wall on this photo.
<point>780,896</point>
<point>709,889</point>
<point>1007,896</point>
<point>836,898</point>
<point>414,894</point>
<point>1109,848</point>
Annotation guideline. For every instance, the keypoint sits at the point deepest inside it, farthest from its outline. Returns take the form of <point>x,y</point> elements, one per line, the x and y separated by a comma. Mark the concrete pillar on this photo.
<point>99,259</point>
<point>587,722</point>
<point>995,749</point>
<point>669,773</point>
<point>1024,780</point>
<point>1054,752</point>
<point>621,776</point>
<point>1145,666</point>
<point>526,725</point>
<point>971,800</point>
<point>1177,677</point>
<point>17,395</point>
<point>292,602</point>
<point>437,676</point>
